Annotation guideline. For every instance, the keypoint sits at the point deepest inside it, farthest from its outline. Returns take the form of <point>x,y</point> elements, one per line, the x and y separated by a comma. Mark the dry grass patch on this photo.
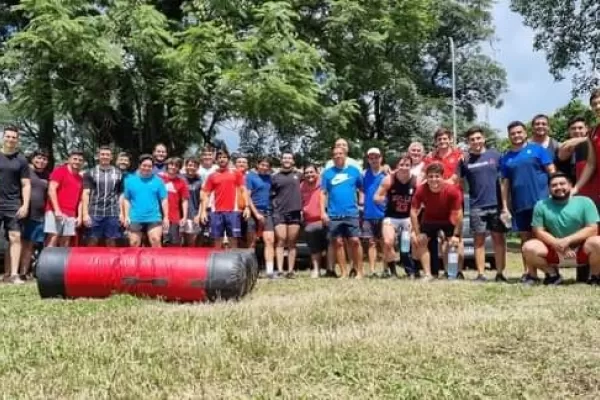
<point>308,339</point>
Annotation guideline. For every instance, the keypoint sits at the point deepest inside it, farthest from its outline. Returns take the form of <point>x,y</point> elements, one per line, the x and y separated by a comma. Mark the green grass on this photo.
<point>323,339</point>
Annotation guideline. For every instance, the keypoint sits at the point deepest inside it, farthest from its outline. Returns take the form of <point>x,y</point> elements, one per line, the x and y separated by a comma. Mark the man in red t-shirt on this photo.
<point>178,196</point>
<point>226,185</point>
<point>443,212</point>
<point>63,214</point>
<point>445,154</point>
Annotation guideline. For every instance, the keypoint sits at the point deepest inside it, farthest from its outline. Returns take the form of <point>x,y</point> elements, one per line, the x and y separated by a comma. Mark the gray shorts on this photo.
<point>65,228</point>
<point>191,228</point>
<point>482,220</point>
<point>399,224</point>
<point>316,237</point>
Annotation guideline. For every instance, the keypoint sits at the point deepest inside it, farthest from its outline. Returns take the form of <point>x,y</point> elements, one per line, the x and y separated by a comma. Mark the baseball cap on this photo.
<point>373,150</point>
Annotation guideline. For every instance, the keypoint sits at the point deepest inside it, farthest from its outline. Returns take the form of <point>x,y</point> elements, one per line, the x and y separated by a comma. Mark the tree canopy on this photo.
<point>295,74</point>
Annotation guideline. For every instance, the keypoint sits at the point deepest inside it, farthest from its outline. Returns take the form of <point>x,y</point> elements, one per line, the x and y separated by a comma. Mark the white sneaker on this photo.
<point>14,279</point>
<point>314,273</point>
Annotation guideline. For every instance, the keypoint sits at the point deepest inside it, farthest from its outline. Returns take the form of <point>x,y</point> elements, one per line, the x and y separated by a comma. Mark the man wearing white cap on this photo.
<point>373,212</point>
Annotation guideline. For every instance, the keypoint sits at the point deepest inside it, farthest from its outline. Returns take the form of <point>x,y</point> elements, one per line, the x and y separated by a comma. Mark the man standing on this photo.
<point>159,156</point>
<point>177,197</point>
<point>316,234</point>
<point>63,209</point>
<point>15,195</point>
<point>416,151</point>
<point>260,223</point>
<point>146,207</point>
<point>540,125</point>
<point>445,154</point>
<point>566,234</point>
<point>102,188</point>
<point>480,169</point>
<point>443,212</point>
<point>373,212</point>
<point>287,211</point>
<point>194,184</point>
<point>339,209</point>
<point>576,157</point>
<point>241,165</point>
<point>33,230</point>
<point>524,170</point>
<point>226,185</point>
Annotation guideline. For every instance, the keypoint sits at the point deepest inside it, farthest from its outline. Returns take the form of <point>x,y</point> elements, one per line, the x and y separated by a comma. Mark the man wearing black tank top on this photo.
<point>396,193</point>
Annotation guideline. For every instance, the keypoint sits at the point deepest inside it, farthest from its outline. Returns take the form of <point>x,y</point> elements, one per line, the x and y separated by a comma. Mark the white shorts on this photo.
<point>191,228</point>
<point>65,228</point>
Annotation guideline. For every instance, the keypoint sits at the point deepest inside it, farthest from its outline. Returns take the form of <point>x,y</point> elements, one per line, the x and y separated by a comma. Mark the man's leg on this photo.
<point>389,235</point>
<point>592,249</point>
<point>13,226</point>
<point>233,228</point>
<point>499,240</point>
<point>135,235</point>
<point>421,253</point>
<point>280,241</point>
<point>96,231</point>
<point>523,224</point>
<point>51,226</point>
<point>155,233</point>
<point>67,232</point>
<point>32,234</point>
<point>535,254</point>
<point>293,231</point>
<point>353,236</point>
<point>217,228</point>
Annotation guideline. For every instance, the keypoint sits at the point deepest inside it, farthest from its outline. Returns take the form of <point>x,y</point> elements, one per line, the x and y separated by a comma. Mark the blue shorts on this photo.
<point>346,227</point>
<point>522,221</point>
<point>33,231</point>
<point>105,228</point>
<point>222,222</point>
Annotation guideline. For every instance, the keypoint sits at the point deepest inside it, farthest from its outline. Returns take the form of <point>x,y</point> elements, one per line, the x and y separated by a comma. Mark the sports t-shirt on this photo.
<point>526,171</point>
<point>449,162</point>
<point>562,219</point>
<point>438,206</point>
<point>259,186</point>
<point>105,186</point>
<point>399,197</point>
<point>177,191</point>
<point>39,195</point>
<point>285,192</point>
<point>194,184</point>
<point>371,183</point>
<point>145,195</point>
<point>341,185</point>
<point>481,171</point>
<point>13,168</point>
<point>68,191</point>
<point>311,201</point>
<point>224,184</point>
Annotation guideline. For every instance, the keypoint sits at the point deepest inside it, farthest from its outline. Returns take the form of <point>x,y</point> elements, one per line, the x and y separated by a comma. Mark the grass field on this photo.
<point>302,339</point>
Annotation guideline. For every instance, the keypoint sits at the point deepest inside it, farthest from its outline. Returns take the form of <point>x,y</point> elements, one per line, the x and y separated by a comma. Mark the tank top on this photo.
<point>399,198</point>
<point>592,188</point>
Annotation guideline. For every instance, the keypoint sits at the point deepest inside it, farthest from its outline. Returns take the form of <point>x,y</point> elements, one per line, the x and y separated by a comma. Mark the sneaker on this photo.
<point>314,273</point>
<point>501,278</point>
<point>427,278</point>
<point>14,280</point>
<point>529,280</point>
<point>352,273</point>
<point>373,275</point>
<point>553,280</point>
<point>594,280</point>
<point>411,277</point>
<point>460,276</point>
<point>290,275</point>
<point>329,273</point>
<point>480,278</point>
<point>525,277</point>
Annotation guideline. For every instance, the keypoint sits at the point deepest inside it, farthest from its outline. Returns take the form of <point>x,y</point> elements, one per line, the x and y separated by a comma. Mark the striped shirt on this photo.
<point>105,186</point>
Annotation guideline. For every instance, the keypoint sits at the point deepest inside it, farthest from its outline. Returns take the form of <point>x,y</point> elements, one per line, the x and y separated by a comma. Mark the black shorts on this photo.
<point>288,218</point>
<point>10,222</point>
<point>143,227</point>
<point>267,226</point>
<point>316,237</point>
<point>371,228</point>
<point>432,230</point>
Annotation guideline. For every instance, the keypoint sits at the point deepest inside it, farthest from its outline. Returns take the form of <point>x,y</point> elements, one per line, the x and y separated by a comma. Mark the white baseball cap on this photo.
<point>373,150</point>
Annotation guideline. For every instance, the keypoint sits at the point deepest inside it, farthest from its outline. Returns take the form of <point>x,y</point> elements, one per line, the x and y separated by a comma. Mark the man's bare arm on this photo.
<point>588,170</point>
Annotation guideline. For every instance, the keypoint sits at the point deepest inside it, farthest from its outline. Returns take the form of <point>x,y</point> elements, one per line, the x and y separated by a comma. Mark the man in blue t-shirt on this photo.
<point>260,223</point>
<point>373,213</point>
<point>146,206</point>
<point>524,170</point>
<point>339,207</point>
<point>480,169</point>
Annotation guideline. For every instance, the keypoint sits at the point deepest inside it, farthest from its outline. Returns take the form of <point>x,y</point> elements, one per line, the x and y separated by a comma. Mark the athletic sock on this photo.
<point>269,268</point>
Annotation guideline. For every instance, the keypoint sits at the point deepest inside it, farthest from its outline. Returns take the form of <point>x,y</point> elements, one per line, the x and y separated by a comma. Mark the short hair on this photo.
<point>175,160</point>
<point>576,119</point>
<point>206,149</point>
<point>104,148</point>
<point>263,159</point>
<point>419,144</point>
<point>515,124</point>
<point>540,116</point>
<point>12,128</point>
<point>146,157</point>
<point>311,165</point>
<point>434,168</point>
<point>192,159</point>
<point>223,152</point>
<point>124,154</point>
<point>40,153</point>
<point>557,175</point>
<point>76,152</point>
<point>442,132</point>
<point>473,130</point>
<point>594,95</point>
<point>160,144</point>
<point>402,157</point>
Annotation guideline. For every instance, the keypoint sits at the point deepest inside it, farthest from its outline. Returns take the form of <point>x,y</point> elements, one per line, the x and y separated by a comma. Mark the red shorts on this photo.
<point>553,259</point>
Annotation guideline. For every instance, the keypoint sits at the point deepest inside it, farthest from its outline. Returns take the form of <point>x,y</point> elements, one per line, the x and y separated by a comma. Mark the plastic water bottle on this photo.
<point>404,241</point>
<point>452,263</point>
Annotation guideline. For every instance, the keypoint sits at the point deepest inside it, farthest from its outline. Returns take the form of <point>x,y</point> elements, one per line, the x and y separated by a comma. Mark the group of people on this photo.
<point>410,209</point>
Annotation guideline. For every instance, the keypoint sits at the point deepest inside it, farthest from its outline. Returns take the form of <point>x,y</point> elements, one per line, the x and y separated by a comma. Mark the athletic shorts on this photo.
<point>399,224</point>
<point>432,230</point>
<point>289,218</point>
<point>553,259</point>
<point>345,227</point>
<point>64,228</point>
<point>190,227</point>
<point>256,227</point>
<point>143,227</point>
<point>33,231</point>
<point>371,228</point>
<point>482,220</point>
<point>172,236</point>
<point>105,228</point>
<point>316,237</point>
<point>10,222</point>
<point>522,221</point>
<point>223,222</point>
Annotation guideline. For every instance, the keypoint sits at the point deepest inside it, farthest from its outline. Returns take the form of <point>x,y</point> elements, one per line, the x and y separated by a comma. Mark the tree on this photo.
<point>567,31</point>
<point>559,120</point>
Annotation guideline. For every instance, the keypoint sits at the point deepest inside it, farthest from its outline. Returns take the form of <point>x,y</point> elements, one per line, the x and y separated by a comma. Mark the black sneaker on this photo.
<point>594,280</point>
<point>480,278</point>
<point>553,280</point>
<point>501,278</point>
<point>330,274</point>
<point>529,280</point>
<point>460,276</point>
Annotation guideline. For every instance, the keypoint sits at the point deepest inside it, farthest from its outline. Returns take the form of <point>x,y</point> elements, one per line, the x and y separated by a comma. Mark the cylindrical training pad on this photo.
<point>173,274</point>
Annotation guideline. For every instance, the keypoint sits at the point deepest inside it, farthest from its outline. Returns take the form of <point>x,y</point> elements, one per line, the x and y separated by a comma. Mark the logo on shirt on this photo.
<point>170,187</point>
<point>340,178</point>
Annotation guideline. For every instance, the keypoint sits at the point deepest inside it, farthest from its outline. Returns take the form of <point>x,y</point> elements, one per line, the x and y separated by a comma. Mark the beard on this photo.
<point>562,196</point>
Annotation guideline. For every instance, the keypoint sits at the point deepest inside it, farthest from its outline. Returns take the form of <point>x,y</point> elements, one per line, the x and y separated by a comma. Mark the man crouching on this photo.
<point>565,232</point>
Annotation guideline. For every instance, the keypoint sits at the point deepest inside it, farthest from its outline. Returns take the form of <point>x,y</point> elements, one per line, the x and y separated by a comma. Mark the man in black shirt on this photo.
<point>33,230</point>
<point>287,211</point>
<point>15,192</point>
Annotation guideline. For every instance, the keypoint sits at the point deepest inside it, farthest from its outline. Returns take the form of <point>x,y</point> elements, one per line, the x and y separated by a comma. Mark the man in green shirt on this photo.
<point>565,229</point>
